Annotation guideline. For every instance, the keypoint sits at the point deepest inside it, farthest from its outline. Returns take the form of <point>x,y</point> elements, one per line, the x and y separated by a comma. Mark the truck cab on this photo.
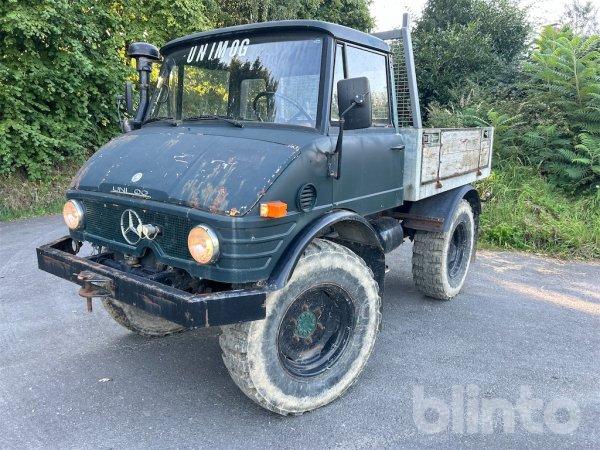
<point>258,187</point>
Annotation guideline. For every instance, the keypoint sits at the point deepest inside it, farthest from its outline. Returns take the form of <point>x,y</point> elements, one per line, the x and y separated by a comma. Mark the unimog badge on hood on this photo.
<point>142,193</point>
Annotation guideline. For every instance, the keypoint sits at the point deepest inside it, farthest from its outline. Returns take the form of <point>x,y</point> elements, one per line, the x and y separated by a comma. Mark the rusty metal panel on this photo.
<point>187,309</point>
<point>190,166</point>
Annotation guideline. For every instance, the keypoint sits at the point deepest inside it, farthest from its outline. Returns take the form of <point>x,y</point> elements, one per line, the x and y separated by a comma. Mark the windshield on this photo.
<point>266,79</point>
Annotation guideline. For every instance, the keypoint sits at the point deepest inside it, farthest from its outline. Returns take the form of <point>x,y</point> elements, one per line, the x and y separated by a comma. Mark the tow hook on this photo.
<point>94,285</point>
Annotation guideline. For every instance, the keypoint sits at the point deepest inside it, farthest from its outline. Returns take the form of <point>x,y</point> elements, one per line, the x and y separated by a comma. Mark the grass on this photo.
<point>522,211</point>
<point>525,212</point>
<point>21,198</point>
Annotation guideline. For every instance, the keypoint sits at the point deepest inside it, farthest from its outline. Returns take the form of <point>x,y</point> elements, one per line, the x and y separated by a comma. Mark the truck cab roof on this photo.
<point>337,31</point>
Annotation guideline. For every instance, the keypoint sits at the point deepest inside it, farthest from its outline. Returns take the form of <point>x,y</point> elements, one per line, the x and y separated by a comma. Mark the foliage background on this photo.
<point>479,62</point>
<point>62,64</point>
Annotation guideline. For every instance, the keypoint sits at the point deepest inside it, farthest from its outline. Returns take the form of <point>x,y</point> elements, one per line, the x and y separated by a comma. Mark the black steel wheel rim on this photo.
<point>315,330</point>
<point>457,252</point>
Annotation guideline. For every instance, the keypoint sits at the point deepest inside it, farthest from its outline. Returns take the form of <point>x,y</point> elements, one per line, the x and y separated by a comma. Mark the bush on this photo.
<point>563,104</point>
<point>553,123</point>
<point>62,64</point>
<point>58,81</point>
<point>524,212</point>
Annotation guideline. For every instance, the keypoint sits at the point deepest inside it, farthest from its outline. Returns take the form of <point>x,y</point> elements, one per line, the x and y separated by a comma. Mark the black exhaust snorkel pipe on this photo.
<point>145,54</point>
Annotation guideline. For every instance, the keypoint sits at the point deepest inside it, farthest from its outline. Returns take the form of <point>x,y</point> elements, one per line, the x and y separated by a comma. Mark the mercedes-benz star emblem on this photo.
<point>131,226</point>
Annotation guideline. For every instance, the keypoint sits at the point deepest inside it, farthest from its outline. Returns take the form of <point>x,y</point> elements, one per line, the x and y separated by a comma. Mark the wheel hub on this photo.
<point>315,330</point>
<point>306,324</point>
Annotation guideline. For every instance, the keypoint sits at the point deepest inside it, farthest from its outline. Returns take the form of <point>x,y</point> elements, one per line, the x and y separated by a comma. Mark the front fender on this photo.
<point>350,229</point>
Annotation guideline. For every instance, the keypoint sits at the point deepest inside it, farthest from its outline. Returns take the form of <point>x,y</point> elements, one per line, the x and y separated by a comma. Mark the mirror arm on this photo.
<point>337,153</point>
<point>338,145</point>
<point>124,101</point>
<point>144,67</point>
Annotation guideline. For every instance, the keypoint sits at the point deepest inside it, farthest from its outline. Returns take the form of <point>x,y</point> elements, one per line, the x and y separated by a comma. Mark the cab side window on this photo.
<point>363,63</point>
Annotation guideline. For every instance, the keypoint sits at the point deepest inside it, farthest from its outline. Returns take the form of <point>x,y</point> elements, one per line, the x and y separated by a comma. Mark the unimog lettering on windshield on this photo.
<point>218,49</point>
<point>258,188</point>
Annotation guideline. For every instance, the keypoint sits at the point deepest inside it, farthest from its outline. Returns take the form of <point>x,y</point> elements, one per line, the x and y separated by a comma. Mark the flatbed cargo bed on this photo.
<point>435,159</point>
<point>439,159</point>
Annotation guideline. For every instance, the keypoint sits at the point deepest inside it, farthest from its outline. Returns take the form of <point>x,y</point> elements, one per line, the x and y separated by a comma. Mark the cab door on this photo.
<point>372,159</point>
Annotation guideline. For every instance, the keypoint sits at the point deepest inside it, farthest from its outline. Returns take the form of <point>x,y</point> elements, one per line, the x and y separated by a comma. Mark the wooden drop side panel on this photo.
<point>451,153</point>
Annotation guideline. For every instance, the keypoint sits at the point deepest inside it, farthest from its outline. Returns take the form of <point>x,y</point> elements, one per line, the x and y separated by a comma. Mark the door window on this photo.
<point>363,63</point>
<point>338,74</point>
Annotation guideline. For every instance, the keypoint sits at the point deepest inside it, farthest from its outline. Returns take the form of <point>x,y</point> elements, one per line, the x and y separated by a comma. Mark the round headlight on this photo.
<point>73,214</point>
<point>203,244</point>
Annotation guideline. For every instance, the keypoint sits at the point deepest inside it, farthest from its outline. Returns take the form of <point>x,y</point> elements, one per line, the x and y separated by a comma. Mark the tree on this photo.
<point>352,13</point>
<point>461,42</point>
<point>62,63</point>
<point>61,66</point>
<point>159,21</point>
<point>582,17</point>
<point>59,69</point>
<point>563,106</point>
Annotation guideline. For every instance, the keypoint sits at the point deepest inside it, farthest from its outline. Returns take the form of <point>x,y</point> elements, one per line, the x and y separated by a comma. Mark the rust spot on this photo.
<point>219,201</point>
<point>190,191</point>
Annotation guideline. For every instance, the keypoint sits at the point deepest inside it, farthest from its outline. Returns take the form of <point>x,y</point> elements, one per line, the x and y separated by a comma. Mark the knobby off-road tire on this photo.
<point>139,321</point>
<point>316,338</point>
<point>440,261</point>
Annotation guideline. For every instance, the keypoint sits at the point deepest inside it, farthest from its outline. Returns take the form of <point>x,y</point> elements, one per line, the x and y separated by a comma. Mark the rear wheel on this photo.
<point>441,261</point>
<point>139,321</point>
<point>317,336</point>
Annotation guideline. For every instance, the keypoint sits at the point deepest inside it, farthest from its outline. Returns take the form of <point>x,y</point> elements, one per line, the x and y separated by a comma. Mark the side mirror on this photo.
<point>128,97</point>
<point>354,103</point>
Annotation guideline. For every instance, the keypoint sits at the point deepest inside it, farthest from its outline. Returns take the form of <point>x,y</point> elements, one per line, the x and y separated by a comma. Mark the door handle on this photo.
<point>398,147</point>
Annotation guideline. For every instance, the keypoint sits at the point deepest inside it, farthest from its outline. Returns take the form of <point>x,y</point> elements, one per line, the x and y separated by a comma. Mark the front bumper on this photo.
<point>181,307</point>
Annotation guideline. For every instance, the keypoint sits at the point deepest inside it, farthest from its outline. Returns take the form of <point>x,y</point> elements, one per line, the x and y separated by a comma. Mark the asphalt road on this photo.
<point>72,379</point>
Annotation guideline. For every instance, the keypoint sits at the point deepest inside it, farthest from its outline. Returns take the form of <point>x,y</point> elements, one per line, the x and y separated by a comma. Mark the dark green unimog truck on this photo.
<point>258,187</point>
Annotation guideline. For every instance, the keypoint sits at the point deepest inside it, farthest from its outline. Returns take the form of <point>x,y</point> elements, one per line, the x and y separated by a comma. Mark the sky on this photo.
<point>388,13</point>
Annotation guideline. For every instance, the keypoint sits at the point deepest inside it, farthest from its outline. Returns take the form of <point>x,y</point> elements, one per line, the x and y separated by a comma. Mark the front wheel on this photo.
<point>139,321</point>
<point>316,338</point>
<point>440,261</point>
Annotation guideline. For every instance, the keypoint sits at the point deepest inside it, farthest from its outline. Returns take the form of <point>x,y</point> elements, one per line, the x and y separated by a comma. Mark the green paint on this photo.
<point>307,324</point>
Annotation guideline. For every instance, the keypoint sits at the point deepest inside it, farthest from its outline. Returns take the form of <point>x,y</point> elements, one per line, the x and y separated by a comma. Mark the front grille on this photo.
<point>104,220</point>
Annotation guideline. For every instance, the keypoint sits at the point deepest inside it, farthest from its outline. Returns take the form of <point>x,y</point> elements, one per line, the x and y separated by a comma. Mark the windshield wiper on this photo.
<point>229,120</point>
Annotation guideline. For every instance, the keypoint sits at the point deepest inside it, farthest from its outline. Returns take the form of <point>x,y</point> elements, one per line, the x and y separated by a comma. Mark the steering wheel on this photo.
<point>301,110</point>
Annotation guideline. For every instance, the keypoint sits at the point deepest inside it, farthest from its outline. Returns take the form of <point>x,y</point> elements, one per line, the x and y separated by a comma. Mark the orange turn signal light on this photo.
<point>274,209</point>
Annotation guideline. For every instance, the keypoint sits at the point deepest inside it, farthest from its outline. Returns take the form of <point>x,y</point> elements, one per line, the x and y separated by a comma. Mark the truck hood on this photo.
<point>186,166</point>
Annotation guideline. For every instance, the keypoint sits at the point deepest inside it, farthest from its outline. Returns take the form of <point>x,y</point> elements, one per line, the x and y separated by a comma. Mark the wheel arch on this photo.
<point>342,226</point>
<point>437,210</point>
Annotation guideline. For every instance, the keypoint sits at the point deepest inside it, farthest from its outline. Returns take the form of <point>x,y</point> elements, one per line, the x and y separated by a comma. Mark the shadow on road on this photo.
<point>69,379</point>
